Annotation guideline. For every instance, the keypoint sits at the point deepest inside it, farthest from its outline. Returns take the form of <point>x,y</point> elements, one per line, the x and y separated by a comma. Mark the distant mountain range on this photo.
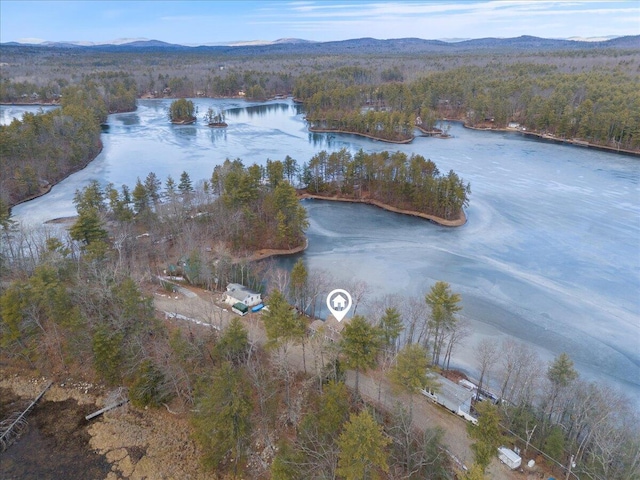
<point>145,42</point>
<point>359,45</point>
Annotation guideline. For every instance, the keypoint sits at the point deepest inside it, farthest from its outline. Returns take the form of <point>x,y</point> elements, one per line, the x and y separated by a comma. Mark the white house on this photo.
<point>237,293</point>
<point>453,397</point>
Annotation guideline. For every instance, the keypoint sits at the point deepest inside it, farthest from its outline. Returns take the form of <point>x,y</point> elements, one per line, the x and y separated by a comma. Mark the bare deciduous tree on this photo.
<point>487,355</point>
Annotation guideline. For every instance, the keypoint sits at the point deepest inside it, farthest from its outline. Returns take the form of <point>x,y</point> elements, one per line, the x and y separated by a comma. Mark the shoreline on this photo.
<point>265,253</point>
<point>437,133</point>
<point>50,185</point>
<point>549,138</point>
<point>331,130</point>
<point>432,218</point>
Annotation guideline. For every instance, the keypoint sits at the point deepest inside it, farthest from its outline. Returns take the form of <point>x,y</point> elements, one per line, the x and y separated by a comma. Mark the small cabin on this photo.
<point>240,308</point>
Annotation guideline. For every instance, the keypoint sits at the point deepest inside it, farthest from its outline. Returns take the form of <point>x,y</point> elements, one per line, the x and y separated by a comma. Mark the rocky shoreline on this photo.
<point>366,135</point>
<point>432,218</point>
<point>552,138</point>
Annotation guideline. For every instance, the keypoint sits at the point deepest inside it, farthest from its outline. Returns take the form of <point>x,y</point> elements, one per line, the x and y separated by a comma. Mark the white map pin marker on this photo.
<point>339,303</point>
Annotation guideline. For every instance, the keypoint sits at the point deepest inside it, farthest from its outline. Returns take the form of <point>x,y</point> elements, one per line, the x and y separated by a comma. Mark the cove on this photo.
<point>549,254</point>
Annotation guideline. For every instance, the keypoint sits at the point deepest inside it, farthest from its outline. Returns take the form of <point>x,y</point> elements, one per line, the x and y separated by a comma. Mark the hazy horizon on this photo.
<point>225,22</point>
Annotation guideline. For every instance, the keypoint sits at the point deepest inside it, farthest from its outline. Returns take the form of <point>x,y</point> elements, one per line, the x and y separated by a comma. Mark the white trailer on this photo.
<point>510,458</point>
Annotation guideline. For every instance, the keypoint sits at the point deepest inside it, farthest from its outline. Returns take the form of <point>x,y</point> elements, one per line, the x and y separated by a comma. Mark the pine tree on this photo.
<point>233,345</point>
<point>170,187</point>
<point>222,421</point>
<point>152,184</point>
<point>88,228</point>
<point>486,433</point>
<point>299,279</point>
<point>360,345</point>
<point>444,305</point>
<point>391,327</point>
<point>140,198</point>
<point>363,449</point>
<point>185,186</point>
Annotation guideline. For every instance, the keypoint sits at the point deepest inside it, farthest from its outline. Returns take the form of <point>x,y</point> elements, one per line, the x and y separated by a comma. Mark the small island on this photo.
<point>181,112</point>
<point>411,185</point>
<point>215,120</point>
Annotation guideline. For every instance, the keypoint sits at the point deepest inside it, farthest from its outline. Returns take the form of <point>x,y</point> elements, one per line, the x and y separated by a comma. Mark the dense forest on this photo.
<point>408,183</point>
<point>566,89</point>
<point>600,106</point>
<point>239,211</point>
<point>41,149</point>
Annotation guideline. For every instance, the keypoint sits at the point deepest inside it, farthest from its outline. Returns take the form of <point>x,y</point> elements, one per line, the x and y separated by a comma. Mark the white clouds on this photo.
<point>428,19</point>
<point>199,22</point>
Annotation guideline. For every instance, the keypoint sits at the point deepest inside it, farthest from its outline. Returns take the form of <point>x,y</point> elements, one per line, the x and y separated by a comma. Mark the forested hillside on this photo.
<point>41,149</point>
<point>582,90</point>
<point>600,106</point>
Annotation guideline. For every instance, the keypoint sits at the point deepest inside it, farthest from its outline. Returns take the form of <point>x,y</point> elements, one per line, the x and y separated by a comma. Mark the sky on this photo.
<point>214,22</point>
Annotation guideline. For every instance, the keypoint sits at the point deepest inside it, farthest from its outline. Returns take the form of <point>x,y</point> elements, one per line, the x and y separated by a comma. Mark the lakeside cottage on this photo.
<point>331,328</point>
<point>237,293</point>
<point>454,397</point>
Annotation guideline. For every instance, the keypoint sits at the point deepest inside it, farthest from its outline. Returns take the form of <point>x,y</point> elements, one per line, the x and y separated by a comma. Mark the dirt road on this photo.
<point>206,309</point>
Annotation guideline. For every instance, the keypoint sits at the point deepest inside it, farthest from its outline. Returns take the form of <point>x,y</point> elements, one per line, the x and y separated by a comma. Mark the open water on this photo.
<point>550,254</point>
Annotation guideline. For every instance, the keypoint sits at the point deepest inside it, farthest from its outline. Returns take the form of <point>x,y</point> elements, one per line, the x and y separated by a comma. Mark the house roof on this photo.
<point>239,292</point>
<point>453,392</point>
<point>331,327</point>
<point>510,454</point>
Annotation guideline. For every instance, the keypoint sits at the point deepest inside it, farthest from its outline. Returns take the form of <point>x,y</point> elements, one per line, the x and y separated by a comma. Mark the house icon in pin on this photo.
<point>339,302</point>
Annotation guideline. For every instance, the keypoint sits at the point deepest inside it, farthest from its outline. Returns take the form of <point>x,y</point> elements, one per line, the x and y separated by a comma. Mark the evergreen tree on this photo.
<point>391,327</point>
<point>290,168</point>
<point>299,279</point>
<point>233,344</point>
<point>444,305</point>
<point>149,387</point>
<point>152,184</point>
<point>185,186</point>
<point>363,449</point>
<point>560,374</point>
<point>181,110</point>
<point>222,422</point>
<point>360,344</point>
<point>281,322</point>
<point>486,433</point>
<point>89,230</point>
<point>140,198</point>
<point>170,187</point>
<point>90,197</point>
<point>409,374</point>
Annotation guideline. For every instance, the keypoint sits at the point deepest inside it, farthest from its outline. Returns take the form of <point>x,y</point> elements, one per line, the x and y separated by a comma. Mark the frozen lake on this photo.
<point>550,254</point>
